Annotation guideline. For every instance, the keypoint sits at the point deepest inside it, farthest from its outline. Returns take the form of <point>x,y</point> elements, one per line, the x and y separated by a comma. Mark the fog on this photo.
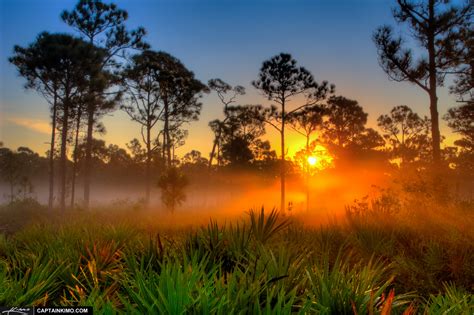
<point>230,194</point>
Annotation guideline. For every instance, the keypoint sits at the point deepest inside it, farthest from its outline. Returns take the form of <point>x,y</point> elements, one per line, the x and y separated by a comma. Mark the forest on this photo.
<point>360,219</point>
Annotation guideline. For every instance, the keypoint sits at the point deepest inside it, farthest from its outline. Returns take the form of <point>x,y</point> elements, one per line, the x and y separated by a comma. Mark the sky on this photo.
<point>227,39</point>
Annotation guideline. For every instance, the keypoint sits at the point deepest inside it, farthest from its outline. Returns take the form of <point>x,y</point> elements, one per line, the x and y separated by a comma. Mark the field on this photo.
<point>371,261</point>
<point>237,157</point>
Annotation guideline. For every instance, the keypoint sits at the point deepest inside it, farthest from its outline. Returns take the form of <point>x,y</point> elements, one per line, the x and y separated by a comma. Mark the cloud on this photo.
<point>33,124</point>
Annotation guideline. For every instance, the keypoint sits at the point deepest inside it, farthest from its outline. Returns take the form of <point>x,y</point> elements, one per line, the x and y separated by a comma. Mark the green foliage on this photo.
<point>343,288</point>
<point>453,301</point>
<point>264,227</point>
<point>260,265</point>
<point>29,279</point>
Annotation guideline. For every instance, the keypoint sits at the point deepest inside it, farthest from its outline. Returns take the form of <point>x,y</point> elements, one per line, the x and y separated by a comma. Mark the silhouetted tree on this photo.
<point>306,122</point>
<point>236,151</point>
<point>42,76</point>
<point>178,139</point>
<point>117,155</point>
<point>344,130</point>
<point>434,25</point>
<point>367,141</point>
<point>99,151</point>
<point>240,130</point>
<point>406,133</point>
<point>194,157</point>
<point>462,52</point>
<point>62,66</point>
<point>78,116</point>
<point>346,119</point>
<point>179,92</point>
<point>461,120</point>
<point>138,152</point>
<point>280,79</point>
<point>172,184</point>
<point>142,102</point>
<point>217,127</point>
<point>262,151</point>
<point>9,170</point>
<point>16,168</point>
<point>222,89</point>
<point>102,25</point>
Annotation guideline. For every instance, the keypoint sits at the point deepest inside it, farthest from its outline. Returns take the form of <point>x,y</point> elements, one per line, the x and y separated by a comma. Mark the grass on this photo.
<point>264,263</point>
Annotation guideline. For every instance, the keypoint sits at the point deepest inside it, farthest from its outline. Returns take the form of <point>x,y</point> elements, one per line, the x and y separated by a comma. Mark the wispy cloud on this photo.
<point>33,124</point>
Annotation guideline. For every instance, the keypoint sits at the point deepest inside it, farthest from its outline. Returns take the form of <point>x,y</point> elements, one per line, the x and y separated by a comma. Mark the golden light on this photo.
<point>312,160</point>
<point>318,159</point>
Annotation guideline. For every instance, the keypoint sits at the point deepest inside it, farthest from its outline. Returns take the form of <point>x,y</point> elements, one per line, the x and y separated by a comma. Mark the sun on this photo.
<point>315,159</point>
<point>312,160</point>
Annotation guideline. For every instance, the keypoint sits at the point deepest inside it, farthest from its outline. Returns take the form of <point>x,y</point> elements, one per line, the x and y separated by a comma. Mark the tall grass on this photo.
<point>263,264</point>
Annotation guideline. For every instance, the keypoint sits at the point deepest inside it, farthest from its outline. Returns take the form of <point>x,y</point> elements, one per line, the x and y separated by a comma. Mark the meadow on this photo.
<point>382,257</point>
<point>137,109</point>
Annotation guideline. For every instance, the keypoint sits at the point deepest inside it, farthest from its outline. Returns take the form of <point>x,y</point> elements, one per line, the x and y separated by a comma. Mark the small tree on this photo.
<point>406,133</point>
<point>172,184</point>
<point>461,120</point>
<point>346,120</point>
<point>344,130</point>
<point>280,80</point>
<point>240,131</point>
<point>194,157</point>
<point>10,170</point>
<point>306,122</point>
<point>16,169</point>
<point>222,89</point>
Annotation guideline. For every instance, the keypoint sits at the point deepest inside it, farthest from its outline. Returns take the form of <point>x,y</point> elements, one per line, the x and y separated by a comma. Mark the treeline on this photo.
<point>109,67</point>
<point>402,138</point>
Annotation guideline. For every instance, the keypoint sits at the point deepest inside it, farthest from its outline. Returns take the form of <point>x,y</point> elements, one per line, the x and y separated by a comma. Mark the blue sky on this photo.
<point>225,39</point>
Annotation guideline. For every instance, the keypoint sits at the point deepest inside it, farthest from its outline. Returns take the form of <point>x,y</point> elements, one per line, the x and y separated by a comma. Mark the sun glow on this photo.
<point>312,160</point>
<point>318,158</point>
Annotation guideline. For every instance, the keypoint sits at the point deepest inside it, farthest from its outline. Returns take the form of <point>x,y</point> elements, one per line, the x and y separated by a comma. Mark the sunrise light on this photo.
<point>312,160</point>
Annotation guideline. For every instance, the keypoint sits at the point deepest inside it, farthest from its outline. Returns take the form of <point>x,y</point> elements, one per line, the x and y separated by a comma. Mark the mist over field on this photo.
<point>237,157</point>
<point>234,192</point>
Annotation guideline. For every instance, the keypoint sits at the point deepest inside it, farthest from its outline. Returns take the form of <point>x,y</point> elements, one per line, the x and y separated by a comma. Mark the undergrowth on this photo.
<point>265,263</point>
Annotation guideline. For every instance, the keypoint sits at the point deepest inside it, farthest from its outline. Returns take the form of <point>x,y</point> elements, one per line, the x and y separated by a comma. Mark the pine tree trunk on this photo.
<point>306,163</point>
<point>213,151</point>
<point>74,165</point>
<point>215,146</point>
<point>51,155</point>
<point>62,197</point>
<point>148,165</point>
<point>88,157</point>
<point>168,148</point>
<point>282,167</point>
<point>435,134</point>
<point>166,131</point>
